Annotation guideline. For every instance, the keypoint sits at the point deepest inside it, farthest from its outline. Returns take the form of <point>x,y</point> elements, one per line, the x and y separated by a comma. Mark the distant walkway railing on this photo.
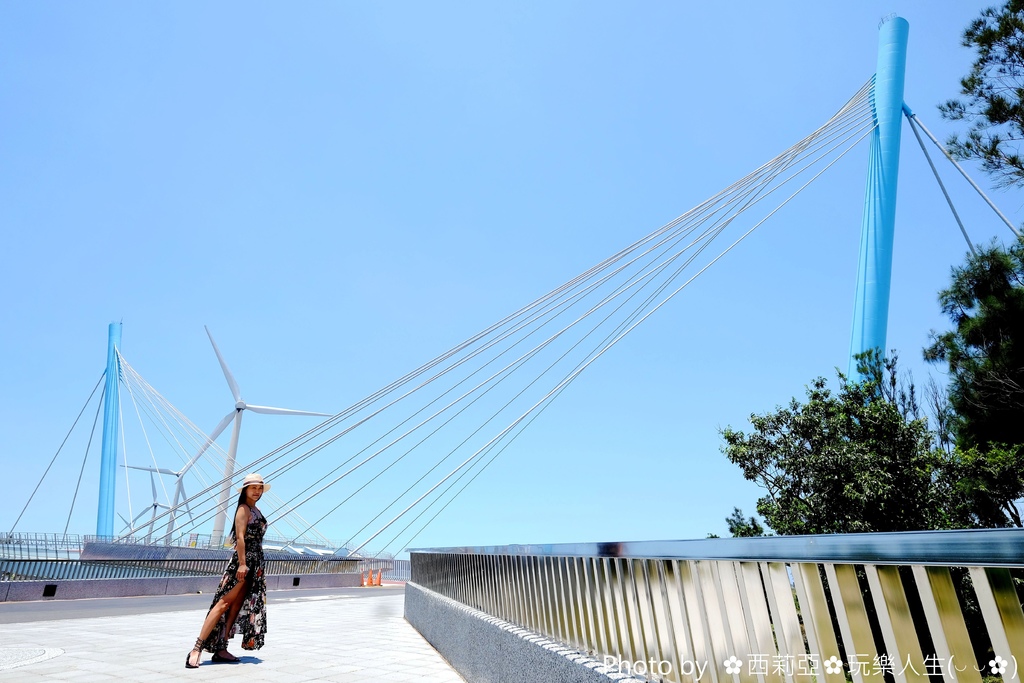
<point>39,546</point>
<point>393,570</point>
<point>915,607</point>
<point>51,557</point>
<point>205,542</point>
<point>71,570</point>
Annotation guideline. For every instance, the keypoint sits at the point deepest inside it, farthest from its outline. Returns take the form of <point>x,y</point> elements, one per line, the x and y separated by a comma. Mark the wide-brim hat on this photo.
<point>254,479</point>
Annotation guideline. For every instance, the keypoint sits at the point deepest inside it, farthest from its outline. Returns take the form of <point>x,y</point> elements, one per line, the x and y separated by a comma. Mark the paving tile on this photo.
<point>341,640</point>
<point>16,676</point>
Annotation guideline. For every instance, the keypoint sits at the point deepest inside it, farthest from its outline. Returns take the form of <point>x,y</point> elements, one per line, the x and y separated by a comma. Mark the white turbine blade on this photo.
<point>222,425</point>
<point>267,410</point>
<point>209,442</point>
<point>139,516</point>
<point>224,366</point>
<point>152,482</point>
<point>158,470</point>
<point>188,509</point>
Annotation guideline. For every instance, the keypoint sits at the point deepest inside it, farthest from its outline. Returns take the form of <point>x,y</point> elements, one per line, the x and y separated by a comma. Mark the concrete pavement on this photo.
<point>348,637</point>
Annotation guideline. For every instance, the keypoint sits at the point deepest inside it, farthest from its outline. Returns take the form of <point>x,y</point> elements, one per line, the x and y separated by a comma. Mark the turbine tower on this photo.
<point>154,507</point>
<point>236,416</point>
<point>180,496</point>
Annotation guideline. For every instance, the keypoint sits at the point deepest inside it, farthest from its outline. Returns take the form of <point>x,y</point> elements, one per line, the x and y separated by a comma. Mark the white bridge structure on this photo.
<point>915,607</point>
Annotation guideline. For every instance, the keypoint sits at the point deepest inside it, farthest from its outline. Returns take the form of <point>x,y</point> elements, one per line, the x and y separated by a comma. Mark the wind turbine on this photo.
<point>153,508</point>
<point>236,416</point>
<point>179,492</point>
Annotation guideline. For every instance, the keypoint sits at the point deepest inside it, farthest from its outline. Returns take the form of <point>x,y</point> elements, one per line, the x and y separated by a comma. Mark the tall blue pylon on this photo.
<point>111,428</point>
<point>874,272</point>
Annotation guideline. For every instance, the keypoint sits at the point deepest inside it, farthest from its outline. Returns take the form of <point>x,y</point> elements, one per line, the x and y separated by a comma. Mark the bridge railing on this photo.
<point>914,607</point>
<point>205,542</point>
<point>392,569</point>
<point>71,570</point>
<point>20,545</point>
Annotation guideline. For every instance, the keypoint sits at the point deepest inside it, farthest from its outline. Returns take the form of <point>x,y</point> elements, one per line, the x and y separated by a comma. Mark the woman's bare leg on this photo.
<point>236,607</point>
<point>223,605</point>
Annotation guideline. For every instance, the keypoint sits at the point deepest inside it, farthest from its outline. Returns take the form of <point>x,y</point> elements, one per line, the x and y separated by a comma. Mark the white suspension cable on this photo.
<point>322,478</point>
<point>518,361</point>
<point>316,432</point>
<point>85,457</point>
<point>152,456</point>
<point>124,450</point>
<point>576,372</point>
<point>59,449</point>
<point>942,185</point>
<point>860,94</point>
<point>945,152</point>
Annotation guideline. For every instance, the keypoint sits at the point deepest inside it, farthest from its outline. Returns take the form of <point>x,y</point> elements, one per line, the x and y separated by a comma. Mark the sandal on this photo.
<point>188,658</point>
<point>220,659</point>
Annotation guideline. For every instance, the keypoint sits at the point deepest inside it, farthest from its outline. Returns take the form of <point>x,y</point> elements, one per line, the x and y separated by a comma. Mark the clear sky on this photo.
<point>342,191</point>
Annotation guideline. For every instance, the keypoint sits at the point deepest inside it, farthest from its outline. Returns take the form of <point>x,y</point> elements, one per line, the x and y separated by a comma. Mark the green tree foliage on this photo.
<point>857,460</point>
<point>982,411</point>
<point>978,488</point>
<point>992,94</point>
<point>984,351</point>
<point>743,526</point>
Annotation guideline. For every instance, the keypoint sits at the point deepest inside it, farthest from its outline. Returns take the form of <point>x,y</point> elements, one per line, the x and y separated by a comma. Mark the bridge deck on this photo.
<point>344,635</point>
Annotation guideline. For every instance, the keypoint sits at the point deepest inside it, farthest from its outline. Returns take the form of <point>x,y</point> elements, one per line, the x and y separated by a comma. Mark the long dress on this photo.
<point>252,617</point>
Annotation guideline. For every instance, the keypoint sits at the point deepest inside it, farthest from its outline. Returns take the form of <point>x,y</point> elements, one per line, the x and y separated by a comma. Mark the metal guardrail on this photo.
<point>52,557</point>
<point>911,607</point>
<point>393,570</point>
<point>70,570</point>
<point>205,541</point>
<point>401,570</point>
<point>39,546</point>
<point>42,546</point>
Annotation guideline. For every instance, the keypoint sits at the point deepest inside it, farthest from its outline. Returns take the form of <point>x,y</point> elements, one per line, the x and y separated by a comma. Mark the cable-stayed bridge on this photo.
<point>886,607</point>
<point>392,462</point>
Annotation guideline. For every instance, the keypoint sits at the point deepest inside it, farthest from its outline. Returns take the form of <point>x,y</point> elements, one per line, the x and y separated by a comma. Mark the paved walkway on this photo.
<point>343,638</point>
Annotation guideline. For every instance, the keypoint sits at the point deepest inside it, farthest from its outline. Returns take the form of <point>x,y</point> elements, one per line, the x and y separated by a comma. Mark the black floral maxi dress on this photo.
<point>252,617</point>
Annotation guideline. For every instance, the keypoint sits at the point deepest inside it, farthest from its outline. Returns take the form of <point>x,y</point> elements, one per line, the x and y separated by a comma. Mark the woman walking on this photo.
<point>241,598</point>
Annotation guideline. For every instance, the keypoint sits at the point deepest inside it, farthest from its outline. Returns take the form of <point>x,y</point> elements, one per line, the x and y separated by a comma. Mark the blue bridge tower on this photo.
<point>874,272</point>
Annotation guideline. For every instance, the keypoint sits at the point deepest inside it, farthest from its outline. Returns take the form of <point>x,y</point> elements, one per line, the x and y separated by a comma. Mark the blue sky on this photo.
<point>343,191</point>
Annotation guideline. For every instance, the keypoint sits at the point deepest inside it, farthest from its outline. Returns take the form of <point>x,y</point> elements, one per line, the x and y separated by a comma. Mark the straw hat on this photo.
<point>254,479</point>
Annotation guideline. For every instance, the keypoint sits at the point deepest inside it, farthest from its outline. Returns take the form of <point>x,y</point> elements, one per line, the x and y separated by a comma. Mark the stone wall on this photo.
<point>484,649</point>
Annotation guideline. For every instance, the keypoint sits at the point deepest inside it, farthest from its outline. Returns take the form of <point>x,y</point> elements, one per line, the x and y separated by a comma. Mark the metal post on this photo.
<point>874,273</point>
<point>217,539</point>
<point>111,428</point>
